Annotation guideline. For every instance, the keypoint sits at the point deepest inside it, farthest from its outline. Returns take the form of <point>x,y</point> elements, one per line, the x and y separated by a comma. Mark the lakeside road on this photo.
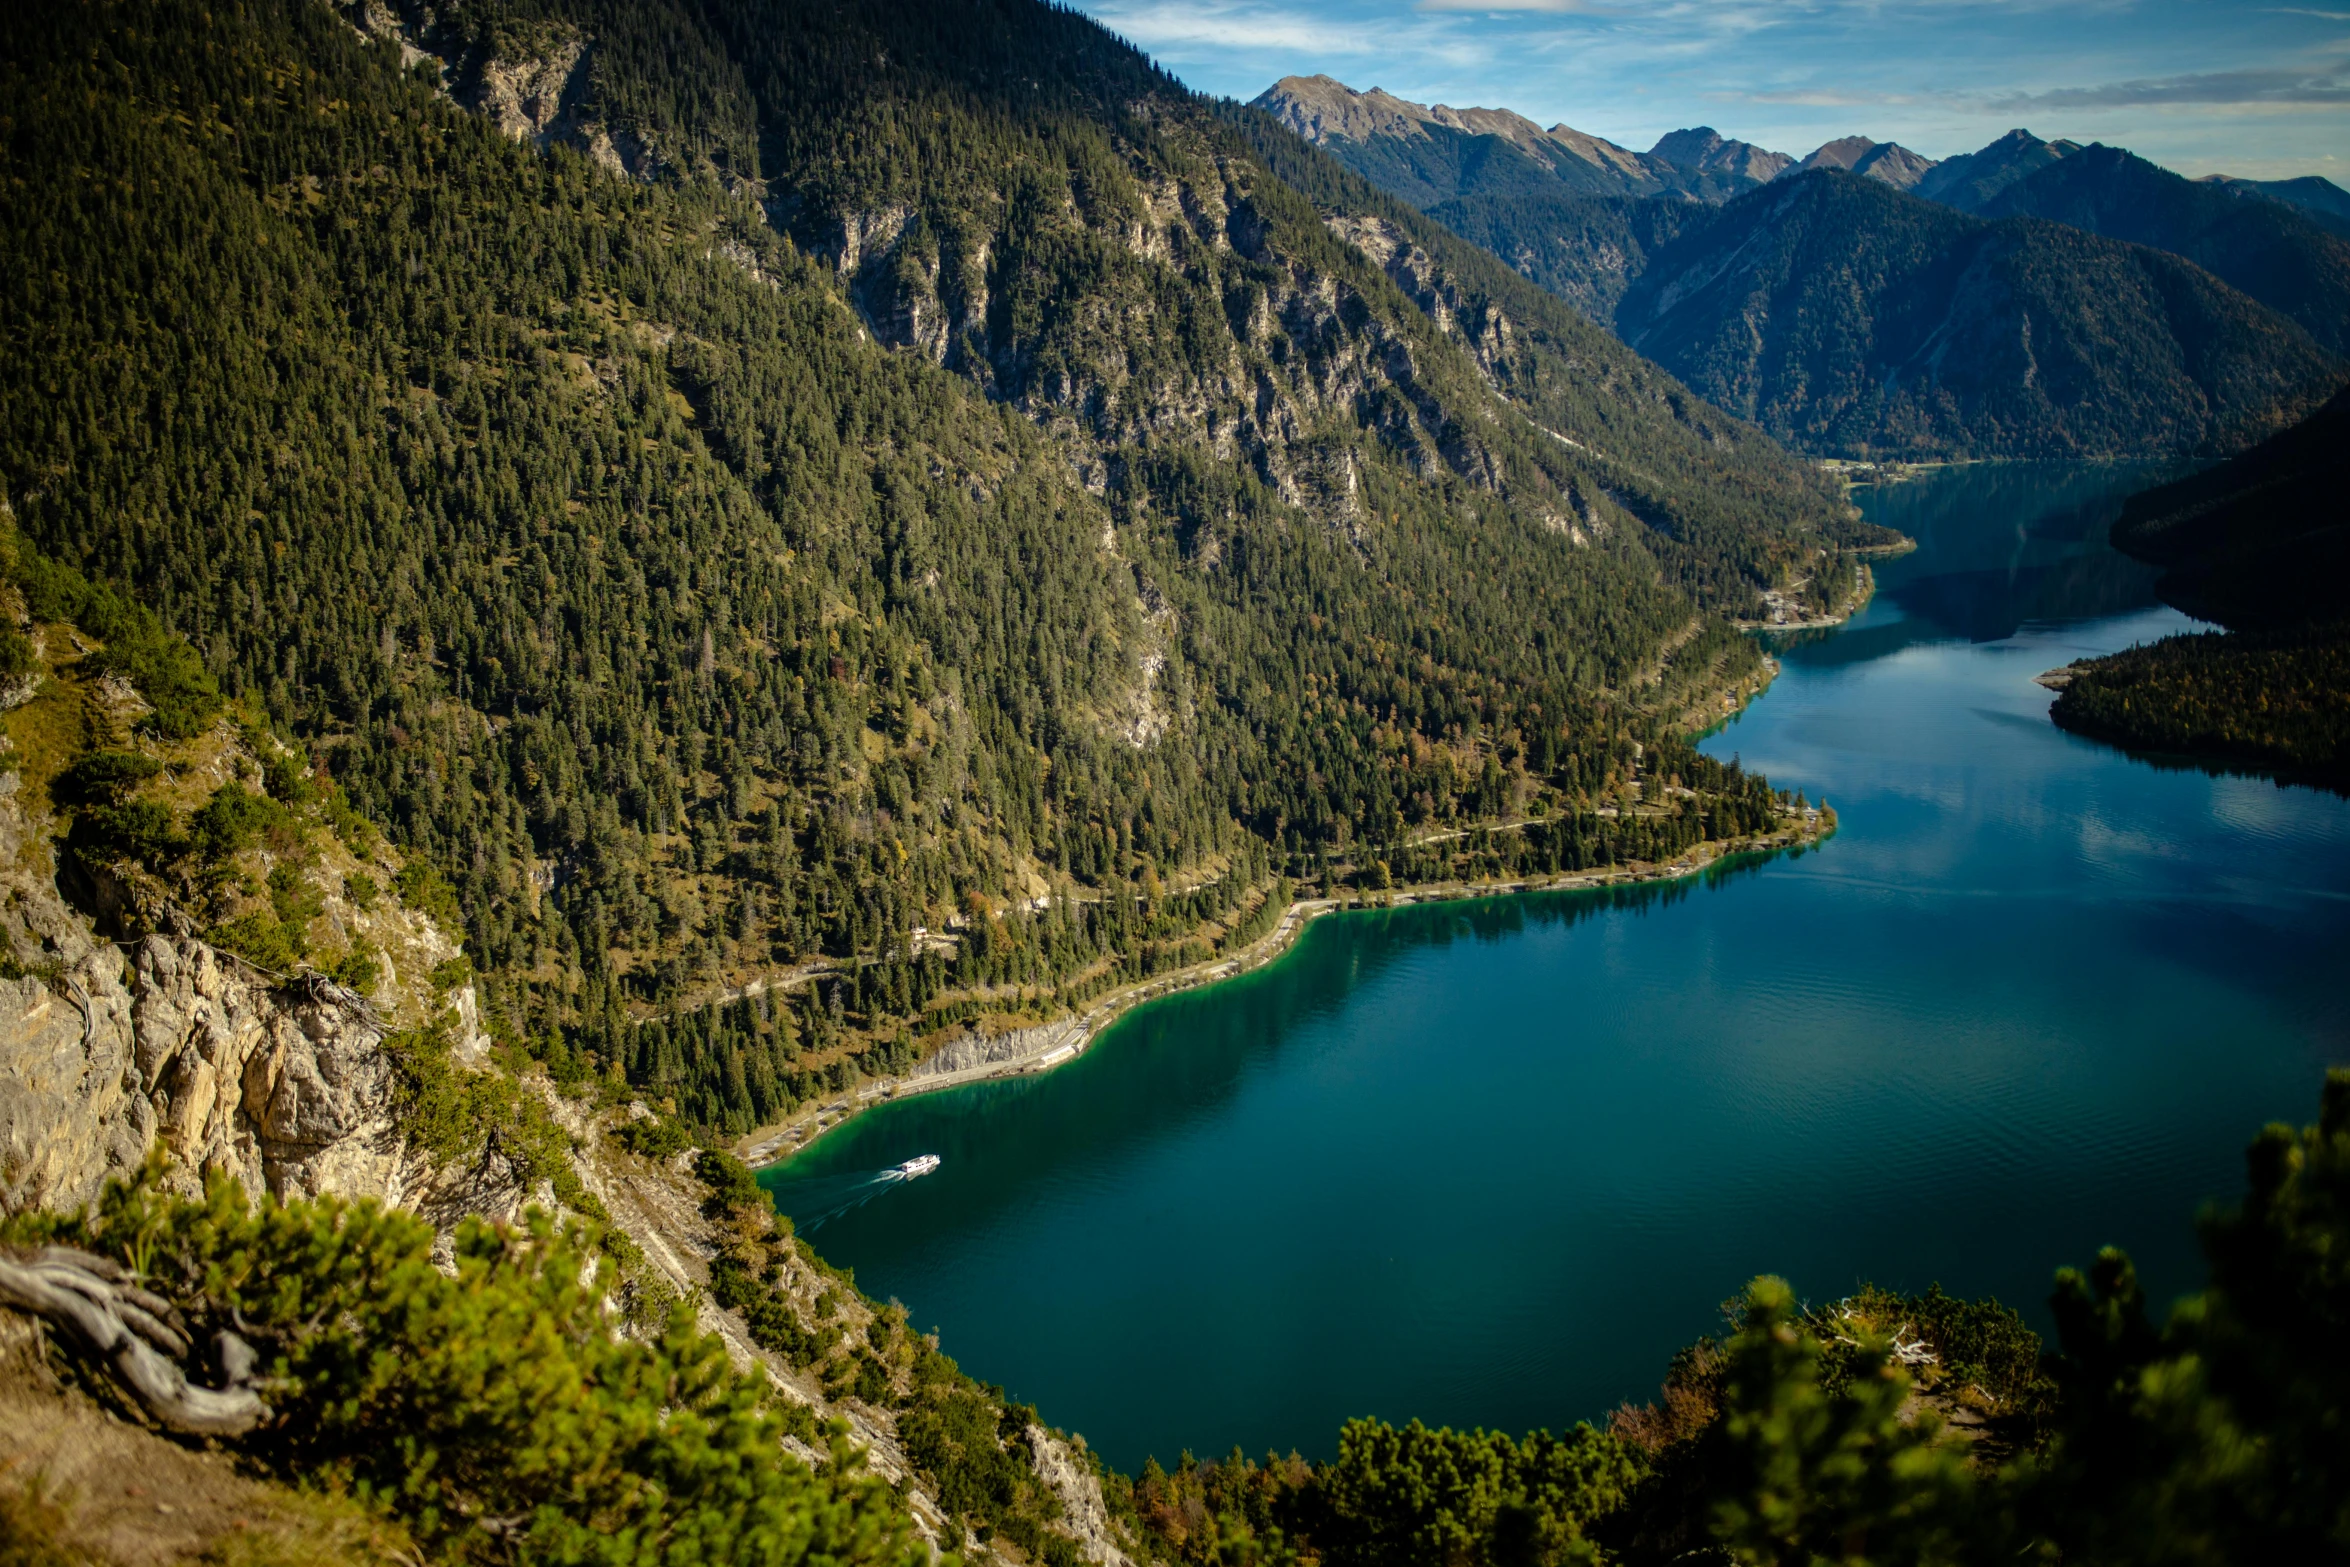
<point>1043,1047</point>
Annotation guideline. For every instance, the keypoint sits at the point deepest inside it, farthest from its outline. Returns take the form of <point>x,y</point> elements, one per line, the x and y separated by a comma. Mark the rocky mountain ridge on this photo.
<point>1428,153</point>
<point>1705,149</point>
<point>1888,161</point>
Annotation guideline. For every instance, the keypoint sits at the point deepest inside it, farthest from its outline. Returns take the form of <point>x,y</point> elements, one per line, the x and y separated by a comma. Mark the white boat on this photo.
<point>922,1164</point>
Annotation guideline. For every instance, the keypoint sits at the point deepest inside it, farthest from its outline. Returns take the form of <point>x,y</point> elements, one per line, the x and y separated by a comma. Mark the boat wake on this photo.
<point>813,1203</point>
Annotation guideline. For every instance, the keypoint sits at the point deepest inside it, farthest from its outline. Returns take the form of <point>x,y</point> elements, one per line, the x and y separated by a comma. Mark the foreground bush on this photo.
<point>494,1410</point>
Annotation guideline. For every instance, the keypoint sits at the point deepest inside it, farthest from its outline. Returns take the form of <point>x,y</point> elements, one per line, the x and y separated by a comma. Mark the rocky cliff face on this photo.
<point>287,1091</point>
<point>121,1031</point>
<point>933,290</point>
<point>106,1048</point>
<point>1706,150</point>
<point>542,94</point>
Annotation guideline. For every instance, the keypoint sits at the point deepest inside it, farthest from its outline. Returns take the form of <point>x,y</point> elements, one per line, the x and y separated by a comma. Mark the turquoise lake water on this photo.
<point>1491,1163</point>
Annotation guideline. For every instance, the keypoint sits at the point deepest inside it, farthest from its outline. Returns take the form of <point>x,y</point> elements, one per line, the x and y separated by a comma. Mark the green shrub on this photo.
<point>103,778</point>
<point>658,1137</point>
<point>453,974</point>
<point>360,968</point>
<point>294,897</point>
<point>494,1411</point>
<point>424,889</point>
<point>361,889</point>
<point>16,653</point>
<point>233,820</point>
<point>285,776</point>
<point>261,941</point>
<point>141,830</point>
<point>730,1182</point>
<point>457,1114</point>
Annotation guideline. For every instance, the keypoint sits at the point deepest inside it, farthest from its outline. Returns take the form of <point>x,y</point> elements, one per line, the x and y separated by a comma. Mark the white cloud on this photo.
<point>1547,7</point>
<point>2280,87</point>
<point>1183,30</point>
<point>2179,80</point>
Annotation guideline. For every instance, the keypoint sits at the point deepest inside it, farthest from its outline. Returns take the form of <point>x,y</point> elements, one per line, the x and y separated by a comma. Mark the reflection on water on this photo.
<point>1490,1163</point>
<point>2044,558</point>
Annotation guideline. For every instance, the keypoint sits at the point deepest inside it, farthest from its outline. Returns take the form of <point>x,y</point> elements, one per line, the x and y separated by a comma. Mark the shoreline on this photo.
<point>1063,1040</point>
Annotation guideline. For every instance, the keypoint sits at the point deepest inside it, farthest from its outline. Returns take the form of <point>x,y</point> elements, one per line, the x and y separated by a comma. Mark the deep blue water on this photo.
<point>1490,1164</point>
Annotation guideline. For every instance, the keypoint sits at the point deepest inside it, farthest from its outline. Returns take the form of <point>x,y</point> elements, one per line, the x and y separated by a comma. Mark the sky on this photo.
<point>2200,86</point>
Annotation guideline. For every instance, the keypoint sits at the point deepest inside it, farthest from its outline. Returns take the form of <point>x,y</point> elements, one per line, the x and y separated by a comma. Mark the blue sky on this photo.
<point>2200,86</point>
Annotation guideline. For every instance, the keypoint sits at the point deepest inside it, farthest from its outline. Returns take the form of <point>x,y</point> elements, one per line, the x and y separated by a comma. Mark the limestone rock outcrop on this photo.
<point>287,1089</point>
<point>106,1048</point>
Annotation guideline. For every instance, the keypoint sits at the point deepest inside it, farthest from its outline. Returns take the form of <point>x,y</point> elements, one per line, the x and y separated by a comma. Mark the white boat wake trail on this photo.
<point>815,1202</point>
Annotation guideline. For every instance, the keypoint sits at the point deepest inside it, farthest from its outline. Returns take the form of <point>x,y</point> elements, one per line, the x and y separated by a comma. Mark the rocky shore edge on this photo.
<point>1047,1046</point>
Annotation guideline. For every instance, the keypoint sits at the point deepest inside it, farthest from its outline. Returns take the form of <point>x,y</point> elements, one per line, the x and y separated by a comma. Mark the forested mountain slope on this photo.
<point>2261,544</point>
<point>759,490</point>
<point>2261,540</point>
<point>1868,322</point>
<point>1846,316</point>
<point>1585,249</point>
<point>2268,250</point>
<point>2326,203</point>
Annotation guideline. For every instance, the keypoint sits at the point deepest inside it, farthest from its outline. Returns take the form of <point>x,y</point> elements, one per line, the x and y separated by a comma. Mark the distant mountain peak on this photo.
<point>1972,179</point>
<point>1888,161</point>
<point>1320,107</point>
<point>1687,146</point>
<point>1428,153</point>
<point>1709,152</point>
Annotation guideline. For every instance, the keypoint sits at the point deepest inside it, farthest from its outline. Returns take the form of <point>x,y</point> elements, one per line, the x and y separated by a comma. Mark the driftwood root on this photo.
<point>136,1336</point>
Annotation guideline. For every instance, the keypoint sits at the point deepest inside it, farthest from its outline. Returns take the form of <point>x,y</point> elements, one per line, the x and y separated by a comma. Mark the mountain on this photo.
<point>1971,179</point>
<point>2327,204</point>
<point>797,531</point>
<point>2266,249</point>
<point>1586,250</point>
<point>1427,154</point>
<point>1847,316</point>
<point>731,505</point>
<point>1890,162</point>
<point>1704,150</point>
<point>2260,543</point>
<point>2122,355</point>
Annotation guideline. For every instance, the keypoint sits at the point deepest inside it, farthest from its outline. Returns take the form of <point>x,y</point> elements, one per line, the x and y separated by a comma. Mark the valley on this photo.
<point>1489,1078</point>
<point>799,782</point>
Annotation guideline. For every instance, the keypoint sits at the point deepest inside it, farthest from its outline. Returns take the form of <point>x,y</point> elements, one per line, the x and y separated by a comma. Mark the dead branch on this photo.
<point>136,1335</point>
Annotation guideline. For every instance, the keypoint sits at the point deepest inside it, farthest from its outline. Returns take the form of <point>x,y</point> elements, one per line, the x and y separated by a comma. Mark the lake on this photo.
<point>1491,1163</point>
